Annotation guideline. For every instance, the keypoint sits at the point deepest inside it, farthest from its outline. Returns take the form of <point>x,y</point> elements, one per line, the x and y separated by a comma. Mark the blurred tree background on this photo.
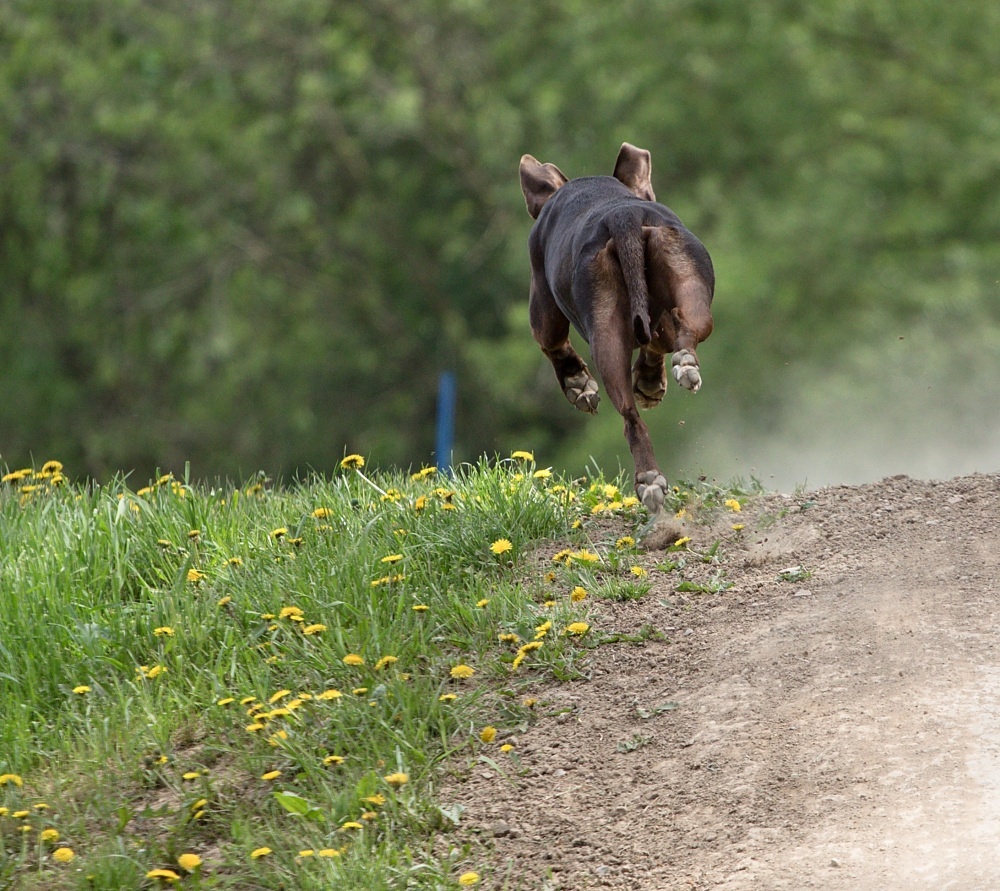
<point>251,235</point>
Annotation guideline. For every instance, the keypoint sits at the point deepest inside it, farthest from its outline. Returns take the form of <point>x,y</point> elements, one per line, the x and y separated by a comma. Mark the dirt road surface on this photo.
<point>836,730</point>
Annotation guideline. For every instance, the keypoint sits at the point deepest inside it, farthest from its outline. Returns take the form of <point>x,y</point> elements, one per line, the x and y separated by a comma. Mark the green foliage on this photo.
<point>251,236</point>
<point>218,670</point>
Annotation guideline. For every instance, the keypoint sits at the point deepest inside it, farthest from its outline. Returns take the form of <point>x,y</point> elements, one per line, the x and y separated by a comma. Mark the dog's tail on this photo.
<point>630,245</point>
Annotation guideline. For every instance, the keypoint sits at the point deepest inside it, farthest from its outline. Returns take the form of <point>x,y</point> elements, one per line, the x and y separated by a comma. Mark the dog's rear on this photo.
<point>624,270</point>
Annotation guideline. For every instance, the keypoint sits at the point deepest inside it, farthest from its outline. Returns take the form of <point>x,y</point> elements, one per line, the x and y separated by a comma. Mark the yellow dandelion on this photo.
<point>259,852</point>
<point>80,689</point>
<point>522,456</point>
<point>420,503</point>
<point>482,603</point>
<point>420,608</point>
<point>253,728</point>
<point>288,612</point>
<point>191,775</point>
<point>397,779</point>
<point>578,594</point>
<point>682,541</point>
<point>329,694</point>
<point>168,875</point>
<point>508,637</point>
<point>334,759</point>
<point>542,474</point>
<point>577,628</point>
<point>391,558</point>
<point>195,575</point>
<point>385,661</point>
<point>447,697</point>
<point>638,572</point>
<point>359,691</point>
<point>328,852</point>
<point>194,534</point>
<point>63,855</point>
<point>49,835</point>
<point>529,647</point>
<point>626,541</point>
<point>353,659</point>
<point>530,702</point>
<point>506,747</point>
<point>199,804</point>
<point>307,852</point>
<point>377,799</point>
<point>225,600</point>
<point>314,629</point>
<point>488,734</point>
<point>737,527</point>
<point>467,879</point>
<point>279,533</point>
<point>462,672</point>
<point>271,775</point>
<point>352,462</point>
<point>275,697</point>
<point>163,631</point>
<point>562,556</point>
<point>733,505</point>
<point>501,546</point>
<point>236,562</point>
<point>350,824</point>
<point>321,513</point>
<point>189,862</point>
<point>20,815</point>
<point>584,556</point>
<point>630,501</point>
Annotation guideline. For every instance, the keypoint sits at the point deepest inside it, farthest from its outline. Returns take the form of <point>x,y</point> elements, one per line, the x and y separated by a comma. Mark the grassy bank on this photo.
<point>259,682</point>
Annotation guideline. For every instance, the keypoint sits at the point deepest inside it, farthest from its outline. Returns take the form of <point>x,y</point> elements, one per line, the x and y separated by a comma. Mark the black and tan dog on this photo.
<point>624,270</point>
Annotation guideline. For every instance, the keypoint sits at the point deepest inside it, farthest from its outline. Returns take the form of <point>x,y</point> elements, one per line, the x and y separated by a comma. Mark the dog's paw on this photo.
<point>581,390</point>
<point>684,366</point>
<point>651,487</point>
<point>649,385</point>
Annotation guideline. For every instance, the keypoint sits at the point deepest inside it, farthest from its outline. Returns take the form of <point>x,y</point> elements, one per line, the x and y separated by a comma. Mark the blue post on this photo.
<point>445,421</point>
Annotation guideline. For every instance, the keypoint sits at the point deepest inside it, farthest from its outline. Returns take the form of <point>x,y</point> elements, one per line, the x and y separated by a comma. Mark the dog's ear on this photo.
<point>633,168</point>
<point>539,183</point>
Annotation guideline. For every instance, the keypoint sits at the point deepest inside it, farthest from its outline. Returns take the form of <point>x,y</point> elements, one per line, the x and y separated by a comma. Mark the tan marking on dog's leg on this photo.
<point>675,279</point>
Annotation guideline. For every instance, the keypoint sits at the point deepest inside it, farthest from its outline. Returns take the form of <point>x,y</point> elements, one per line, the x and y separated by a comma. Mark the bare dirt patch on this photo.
<point>840,731</point>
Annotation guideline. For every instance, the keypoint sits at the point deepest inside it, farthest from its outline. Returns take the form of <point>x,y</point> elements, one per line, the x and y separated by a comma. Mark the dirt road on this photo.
<point>835,731</point>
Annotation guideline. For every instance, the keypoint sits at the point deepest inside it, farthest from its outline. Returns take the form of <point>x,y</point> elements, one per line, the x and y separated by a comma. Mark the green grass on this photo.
<point>164,650</point>
<point>167,602</point>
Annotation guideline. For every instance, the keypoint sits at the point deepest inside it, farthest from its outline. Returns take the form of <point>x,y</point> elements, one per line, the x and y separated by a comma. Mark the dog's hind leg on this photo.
<point>612,342</point>
<point>551,330</point>
<point>681,279</point>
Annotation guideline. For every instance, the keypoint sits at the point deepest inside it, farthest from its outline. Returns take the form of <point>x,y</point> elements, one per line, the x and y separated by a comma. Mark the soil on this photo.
<point>836,730</point>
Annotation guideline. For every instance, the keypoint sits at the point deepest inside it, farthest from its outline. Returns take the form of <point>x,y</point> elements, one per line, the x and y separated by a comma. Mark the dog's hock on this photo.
<point>684,366</point>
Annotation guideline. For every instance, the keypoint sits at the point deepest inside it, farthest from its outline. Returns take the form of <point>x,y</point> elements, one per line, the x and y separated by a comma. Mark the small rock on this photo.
<point>835,863</point>
<point>603,870</point>
<point>804,592</point>
<point>500,829</point>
